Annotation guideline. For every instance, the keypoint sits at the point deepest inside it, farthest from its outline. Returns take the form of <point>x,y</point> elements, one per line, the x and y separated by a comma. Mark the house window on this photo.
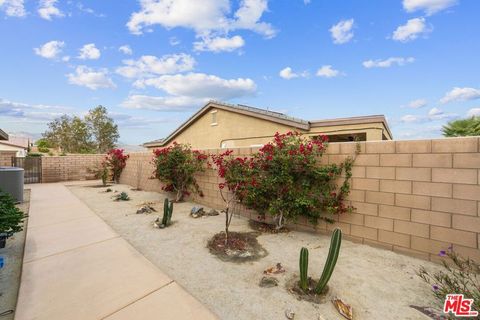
<point>213,114</point>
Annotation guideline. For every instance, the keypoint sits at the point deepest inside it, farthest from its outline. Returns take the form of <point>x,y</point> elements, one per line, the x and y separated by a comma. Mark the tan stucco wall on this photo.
<point>235,130</point>
<point>231,127</point>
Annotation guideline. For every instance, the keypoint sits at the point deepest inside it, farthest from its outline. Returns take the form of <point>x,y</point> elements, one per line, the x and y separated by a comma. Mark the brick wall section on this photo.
<point>6,158</point>
<point>71,167</point>
<point>412,197</point>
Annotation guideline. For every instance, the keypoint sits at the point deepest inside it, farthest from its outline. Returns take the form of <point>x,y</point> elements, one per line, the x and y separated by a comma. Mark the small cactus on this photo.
<point>335,244</point>
<point>167,212</point>
<point>304,269</point>
<point>332,258</point>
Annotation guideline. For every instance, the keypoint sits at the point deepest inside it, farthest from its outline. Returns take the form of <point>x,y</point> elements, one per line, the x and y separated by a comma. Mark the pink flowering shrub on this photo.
<point>176,166</point>
<point>285,179</point>
<point>116,161</point>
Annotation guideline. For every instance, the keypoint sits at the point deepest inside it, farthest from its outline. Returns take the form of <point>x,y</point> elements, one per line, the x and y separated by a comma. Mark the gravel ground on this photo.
<point>11,271</point>
<point>378,284</point>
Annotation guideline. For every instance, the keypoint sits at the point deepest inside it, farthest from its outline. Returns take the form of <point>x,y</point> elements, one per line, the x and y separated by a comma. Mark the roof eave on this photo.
<point>218,105</point>
<point>3,135</point>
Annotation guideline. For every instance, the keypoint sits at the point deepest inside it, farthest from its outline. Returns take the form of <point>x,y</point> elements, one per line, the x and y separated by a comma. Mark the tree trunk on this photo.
<point>179,196</point>
<point>280,221</point>
<point>227,224</point>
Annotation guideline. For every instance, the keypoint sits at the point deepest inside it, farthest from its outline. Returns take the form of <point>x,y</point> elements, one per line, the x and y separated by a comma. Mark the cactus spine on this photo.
<point>304,269</point>
<point>335,244</point>
<point>167,212</point>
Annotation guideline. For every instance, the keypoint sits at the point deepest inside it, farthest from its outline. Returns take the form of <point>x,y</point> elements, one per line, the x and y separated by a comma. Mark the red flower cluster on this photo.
<point>116,161</point>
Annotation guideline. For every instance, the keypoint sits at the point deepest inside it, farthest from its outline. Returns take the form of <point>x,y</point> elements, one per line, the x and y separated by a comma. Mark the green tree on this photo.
<point>103,129</point>
<point>69,135</point>
<point>462,127</point>
<point>96,133</point>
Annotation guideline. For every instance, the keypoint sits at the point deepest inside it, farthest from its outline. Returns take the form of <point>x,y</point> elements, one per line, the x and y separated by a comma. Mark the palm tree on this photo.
<point>462,127</point>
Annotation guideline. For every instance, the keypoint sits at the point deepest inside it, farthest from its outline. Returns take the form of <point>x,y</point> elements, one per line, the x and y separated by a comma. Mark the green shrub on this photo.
<point>176,166</point>
<point>123,196</point>
<point>43,150</point>
<point>11,217</point>
<point>286,179</point>
<point>34,155</point>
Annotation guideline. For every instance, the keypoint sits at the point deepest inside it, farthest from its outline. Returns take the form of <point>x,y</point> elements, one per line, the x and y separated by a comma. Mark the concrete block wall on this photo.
<point>6,158</point>
<point>413,197</point>
<point>70,167</point>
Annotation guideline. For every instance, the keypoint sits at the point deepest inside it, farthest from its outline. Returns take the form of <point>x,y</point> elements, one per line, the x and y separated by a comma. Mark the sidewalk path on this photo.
<point>76,267</point>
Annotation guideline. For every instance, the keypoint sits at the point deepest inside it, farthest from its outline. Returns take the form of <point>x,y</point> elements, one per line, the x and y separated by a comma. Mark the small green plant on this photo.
<point>304,269</point>
<point>11,217</point>
<point>460,275</point>
<point>122,196</point>
<point>332,258</point>
<point>167,212</point>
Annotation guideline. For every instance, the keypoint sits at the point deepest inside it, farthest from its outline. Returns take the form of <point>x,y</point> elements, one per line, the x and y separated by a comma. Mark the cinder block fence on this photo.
<point>413,197</point>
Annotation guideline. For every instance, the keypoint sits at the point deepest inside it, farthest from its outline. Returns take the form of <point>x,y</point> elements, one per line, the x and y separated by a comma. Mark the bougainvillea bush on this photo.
<point>285,179</point>
<point>176,166</point>
<point>116,160</point>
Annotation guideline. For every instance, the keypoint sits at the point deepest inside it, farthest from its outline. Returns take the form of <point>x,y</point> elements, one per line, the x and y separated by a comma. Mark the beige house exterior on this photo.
<point>221,125</point>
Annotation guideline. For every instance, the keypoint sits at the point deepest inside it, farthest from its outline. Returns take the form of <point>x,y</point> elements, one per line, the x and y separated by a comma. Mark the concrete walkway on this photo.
<point>76,267</point>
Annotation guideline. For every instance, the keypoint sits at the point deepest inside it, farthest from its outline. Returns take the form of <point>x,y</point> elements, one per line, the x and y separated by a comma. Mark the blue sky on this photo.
<point>153,63</point>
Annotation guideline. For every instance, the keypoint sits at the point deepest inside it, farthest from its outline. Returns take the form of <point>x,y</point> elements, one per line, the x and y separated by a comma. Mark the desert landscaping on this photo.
<point>376,283</point>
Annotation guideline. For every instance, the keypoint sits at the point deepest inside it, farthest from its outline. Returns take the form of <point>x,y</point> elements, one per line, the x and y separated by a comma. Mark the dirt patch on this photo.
<point>241,247</point>
<point>265,227</point>
<point>309,295</point>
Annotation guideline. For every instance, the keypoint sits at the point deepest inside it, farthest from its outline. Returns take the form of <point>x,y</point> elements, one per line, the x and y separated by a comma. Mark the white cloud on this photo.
<point>200,85</point>
<point>387,63</point>
<point>219,44</point>
<point>50,50</point>
<point>416,104</point>
<point>411,30</point>
<point>171,103</point>
<point>474,112</point>
<point>204,17</point>
<point>174,41</point>
<point>434,114</point>
<point>89,52</point>
<point>429,6</point>
<point>47,10</point>
<point>461,94</point>
<point>125,49</point>
<point>30,112</point>
<point>287,73</point>
<point>342,31</point>
<point>90,78</point>
<point>327,72</point>
<point>149,66</point>
<point>13,8</point>
<point>307,1</point>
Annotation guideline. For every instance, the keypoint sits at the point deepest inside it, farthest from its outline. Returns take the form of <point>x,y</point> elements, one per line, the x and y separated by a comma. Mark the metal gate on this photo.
<point>32,167</point>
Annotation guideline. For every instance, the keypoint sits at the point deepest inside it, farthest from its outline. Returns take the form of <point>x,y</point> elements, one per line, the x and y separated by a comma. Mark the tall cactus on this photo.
<point>167,212</point>
<point>304,269</point>
<point>335,244</point>
<point>332,258</point>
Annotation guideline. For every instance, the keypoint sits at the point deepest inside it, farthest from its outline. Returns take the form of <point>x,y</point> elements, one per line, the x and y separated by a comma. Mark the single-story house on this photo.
<point>222,125</point>
<point>13,149</point>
